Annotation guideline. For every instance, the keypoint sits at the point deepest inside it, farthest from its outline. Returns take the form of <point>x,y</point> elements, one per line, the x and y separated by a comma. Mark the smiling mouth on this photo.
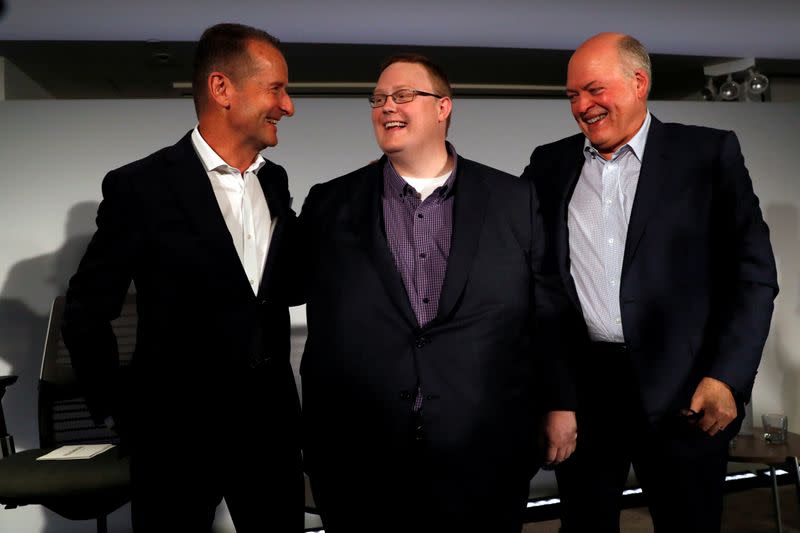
<point>272,121</point>
<point>394,124</point>
<point>595,119</point>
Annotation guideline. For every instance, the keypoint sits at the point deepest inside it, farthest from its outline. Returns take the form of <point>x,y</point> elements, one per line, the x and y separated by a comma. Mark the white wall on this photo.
<point>53,155</point>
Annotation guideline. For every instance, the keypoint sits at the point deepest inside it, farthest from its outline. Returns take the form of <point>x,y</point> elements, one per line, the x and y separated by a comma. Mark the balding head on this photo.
<point>608,79</point>
<point>632,54</point>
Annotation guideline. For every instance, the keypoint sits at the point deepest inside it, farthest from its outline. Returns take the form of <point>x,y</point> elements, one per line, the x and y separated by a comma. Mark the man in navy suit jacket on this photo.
<point>210,409</point>
<point>659,240</point>
<point>423,386</point>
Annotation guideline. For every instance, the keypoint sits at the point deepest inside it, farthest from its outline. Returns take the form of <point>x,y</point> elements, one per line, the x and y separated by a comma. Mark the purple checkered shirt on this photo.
<point>419,234</point>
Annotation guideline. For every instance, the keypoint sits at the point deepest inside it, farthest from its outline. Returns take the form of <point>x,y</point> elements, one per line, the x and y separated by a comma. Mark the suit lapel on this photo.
<point>572,171</point>
<point>368,224</point>
<point>279,205</point>
<point>469,210</point>
<point>652,177</point>
<point>190,184</point>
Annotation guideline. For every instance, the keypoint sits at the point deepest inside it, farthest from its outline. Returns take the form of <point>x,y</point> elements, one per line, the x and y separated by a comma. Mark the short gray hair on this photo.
<point>635,55</point>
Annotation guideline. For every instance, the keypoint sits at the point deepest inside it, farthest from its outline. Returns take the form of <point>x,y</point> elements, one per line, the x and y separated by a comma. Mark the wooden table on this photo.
<point>753,449</point>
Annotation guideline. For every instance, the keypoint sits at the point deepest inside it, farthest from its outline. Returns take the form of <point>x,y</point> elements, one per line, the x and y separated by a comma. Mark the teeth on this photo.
<point>394,124</point>
<point>596,119</point>
<point>272,121</point>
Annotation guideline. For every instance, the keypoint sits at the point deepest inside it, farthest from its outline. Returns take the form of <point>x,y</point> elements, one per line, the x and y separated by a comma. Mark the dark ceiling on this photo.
<point>126,69</point>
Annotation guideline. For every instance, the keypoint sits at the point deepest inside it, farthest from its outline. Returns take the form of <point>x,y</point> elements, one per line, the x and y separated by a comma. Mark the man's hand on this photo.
<point>715,399</point>
<point>560,436</point>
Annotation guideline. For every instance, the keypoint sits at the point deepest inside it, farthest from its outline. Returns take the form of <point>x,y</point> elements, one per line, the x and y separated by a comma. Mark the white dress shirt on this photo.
<point>598,217</point>
<point>243,205</point>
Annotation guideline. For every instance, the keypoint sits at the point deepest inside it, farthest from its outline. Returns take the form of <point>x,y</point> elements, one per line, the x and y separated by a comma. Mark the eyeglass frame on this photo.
<point>414,93</point>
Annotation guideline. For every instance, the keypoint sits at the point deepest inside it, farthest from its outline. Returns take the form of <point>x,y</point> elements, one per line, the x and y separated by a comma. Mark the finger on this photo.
<point>716,428</point>
<point>552,453</point>
<point>706,423</point>
<point>561,455</point>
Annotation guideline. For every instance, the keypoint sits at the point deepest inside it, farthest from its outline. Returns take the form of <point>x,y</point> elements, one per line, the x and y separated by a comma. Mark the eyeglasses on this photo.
<point>400,97</point>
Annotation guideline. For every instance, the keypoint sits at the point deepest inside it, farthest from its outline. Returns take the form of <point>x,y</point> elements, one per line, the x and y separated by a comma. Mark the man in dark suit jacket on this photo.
<point>209,409</point>
<point>421,402</point>
<point>660,242</point>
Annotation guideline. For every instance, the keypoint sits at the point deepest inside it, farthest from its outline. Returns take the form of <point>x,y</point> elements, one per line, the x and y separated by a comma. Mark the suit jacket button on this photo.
<point>405,395</point>
<point>421,341</point>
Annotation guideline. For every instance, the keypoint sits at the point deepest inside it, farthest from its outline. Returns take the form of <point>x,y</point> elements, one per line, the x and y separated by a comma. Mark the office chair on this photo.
<point>80,489</point>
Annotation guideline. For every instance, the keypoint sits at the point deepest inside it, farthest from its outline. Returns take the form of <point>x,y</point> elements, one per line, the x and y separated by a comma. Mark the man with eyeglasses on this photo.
<point>422,388</point>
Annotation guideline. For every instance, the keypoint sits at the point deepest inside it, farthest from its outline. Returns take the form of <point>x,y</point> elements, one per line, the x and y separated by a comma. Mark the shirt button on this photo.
<point>252,281</point>
<point>618,320</point>
<point>425,300</point>
<point>611,241</point>
<point>420,215</point>
<point>608,201</point>
<point>422,255</point>
<point>249,236</point>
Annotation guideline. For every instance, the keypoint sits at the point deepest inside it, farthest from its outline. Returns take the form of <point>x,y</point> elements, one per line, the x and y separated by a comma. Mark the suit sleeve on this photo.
<point>744,299</point>
<point>305,245</point>
<point>291,283</point>
<point>95,296</point>
<point>551,310</point>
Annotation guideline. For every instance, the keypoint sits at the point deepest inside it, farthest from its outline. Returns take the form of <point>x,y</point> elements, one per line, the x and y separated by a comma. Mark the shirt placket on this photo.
<point>249,257</point>
<point>614,242</point>
<point>423,243</point>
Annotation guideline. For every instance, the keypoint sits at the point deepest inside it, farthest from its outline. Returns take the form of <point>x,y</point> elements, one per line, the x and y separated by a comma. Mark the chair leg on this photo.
<point>775,500</point>
<point>102,524</point>
<point>794,470</point>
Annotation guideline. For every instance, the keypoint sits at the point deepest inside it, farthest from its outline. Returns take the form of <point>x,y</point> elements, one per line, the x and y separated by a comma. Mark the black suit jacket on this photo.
<point>698,274</point>
<point>476,361</point>
<point>211,356</point>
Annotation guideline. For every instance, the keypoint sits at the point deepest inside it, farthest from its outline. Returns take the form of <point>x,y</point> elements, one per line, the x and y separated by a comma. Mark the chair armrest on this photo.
<point>6,441</point>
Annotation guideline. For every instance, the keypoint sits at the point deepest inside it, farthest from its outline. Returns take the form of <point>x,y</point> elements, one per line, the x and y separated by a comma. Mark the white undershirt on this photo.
<point>425,186</point>
<point>243,205</point>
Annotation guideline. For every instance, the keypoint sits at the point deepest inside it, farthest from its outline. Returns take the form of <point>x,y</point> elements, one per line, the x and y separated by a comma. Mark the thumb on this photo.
<point>697,402</point>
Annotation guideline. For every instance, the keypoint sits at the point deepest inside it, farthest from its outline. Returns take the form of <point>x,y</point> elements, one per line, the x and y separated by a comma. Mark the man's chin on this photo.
<point>389,148</point>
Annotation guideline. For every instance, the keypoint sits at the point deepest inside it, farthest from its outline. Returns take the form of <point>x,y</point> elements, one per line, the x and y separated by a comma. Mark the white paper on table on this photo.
<point>75,451</point>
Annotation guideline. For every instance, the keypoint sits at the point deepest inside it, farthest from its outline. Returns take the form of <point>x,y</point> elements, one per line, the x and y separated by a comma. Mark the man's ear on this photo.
<point>642,83</point>
<point>219,89</point>
<point>445,108</point>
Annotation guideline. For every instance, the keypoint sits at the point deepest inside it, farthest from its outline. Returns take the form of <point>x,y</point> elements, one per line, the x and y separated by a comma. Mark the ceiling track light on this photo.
<point>735,80</point>
<point>709,92</point>
<point>756,83</point>
<point>729,90</point>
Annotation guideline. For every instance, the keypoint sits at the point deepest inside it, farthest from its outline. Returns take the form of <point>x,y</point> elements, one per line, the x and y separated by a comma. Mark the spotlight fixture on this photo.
<point>709,92</point>
<point>729,90</point>
<point>735,80</point>
<point>756,83</point>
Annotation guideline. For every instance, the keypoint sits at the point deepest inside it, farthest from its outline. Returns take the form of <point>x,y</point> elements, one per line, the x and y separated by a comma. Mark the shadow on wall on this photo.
<point>33,284</point>
<point>784,224</point>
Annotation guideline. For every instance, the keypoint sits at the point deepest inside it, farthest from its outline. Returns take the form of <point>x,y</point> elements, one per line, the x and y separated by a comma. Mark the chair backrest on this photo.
<point>63,415</point>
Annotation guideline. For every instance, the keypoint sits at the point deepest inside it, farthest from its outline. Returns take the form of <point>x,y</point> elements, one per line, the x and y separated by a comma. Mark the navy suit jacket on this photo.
<point>211,355</point>
<point>698,274</point>
<point>484,381</point>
